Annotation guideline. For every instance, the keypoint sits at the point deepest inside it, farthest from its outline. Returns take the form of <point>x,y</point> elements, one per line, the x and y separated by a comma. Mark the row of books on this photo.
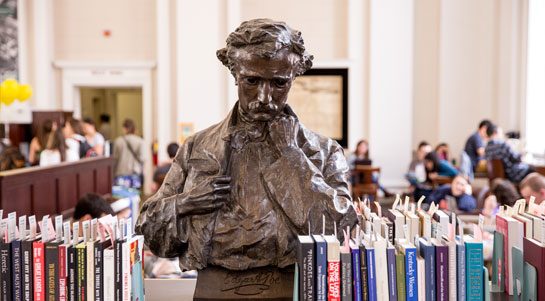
<point>406,254</point>
<point>98,259</point>
<point>519,251</point>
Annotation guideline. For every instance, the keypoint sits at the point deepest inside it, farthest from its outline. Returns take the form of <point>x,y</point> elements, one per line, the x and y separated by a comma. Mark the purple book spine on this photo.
<point>441,259</point>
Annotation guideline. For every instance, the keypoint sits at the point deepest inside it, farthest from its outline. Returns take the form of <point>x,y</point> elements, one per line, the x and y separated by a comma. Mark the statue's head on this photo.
<point>264,56</point>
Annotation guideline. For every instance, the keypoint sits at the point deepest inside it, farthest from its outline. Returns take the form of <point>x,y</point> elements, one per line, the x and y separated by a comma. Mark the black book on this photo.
<point>99,268</point>
<point>52,270</point>
<point>27,268</point>
<point>346,274</point>
<point>306,263</point>
<point>81,272</point>
<point>16,272</point>
<point>363,267</point>
<point>118,269</point>
<point>5,266</point>
<point>72,273</point>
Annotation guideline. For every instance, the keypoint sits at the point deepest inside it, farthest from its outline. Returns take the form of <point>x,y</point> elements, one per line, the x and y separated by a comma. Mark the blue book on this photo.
<point>321,267</point>
<point>427,251</point>
<point>461,266</point>
<point>371,276</point>
<point>474,270</point>
<point>17,288</point>
<point>392,278</point>
<point>411,275</point>
<point>356,271</point>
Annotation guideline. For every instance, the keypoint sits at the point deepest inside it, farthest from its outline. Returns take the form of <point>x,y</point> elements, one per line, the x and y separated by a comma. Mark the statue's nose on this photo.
<point>265,95</point>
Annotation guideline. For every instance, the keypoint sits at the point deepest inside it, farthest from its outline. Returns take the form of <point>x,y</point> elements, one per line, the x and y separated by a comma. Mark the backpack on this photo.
<point>86,150</point>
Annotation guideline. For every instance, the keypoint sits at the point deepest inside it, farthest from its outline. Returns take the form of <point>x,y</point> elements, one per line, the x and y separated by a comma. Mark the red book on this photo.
<point>62,272</point>
<point>534,254</point>
<point>334,281</point>
<point>501,227</point>
<point>38,269</point>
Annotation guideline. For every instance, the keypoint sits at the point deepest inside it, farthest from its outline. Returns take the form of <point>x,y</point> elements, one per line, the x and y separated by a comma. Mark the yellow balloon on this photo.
<point>24,93</point>
<point>8,101</point>
<point>9,89</point>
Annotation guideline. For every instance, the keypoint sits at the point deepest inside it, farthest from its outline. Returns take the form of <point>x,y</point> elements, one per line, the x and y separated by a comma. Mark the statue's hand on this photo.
<point>206,197</point>
<point>283,133</point>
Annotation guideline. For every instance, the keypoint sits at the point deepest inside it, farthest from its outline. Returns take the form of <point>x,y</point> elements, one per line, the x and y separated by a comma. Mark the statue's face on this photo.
<point>264,83</point>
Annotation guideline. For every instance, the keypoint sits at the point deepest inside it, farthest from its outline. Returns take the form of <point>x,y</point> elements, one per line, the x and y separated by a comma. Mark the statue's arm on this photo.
<point>162,227</point>
<point>305,193</point>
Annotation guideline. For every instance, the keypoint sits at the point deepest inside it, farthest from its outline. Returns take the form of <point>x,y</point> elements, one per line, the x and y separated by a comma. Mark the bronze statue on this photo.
<point>239,192</point>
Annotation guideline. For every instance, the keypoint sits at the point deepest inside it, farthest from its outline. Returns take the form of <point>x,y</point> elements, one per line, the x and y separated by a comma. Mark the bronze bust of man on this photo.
<point>239,192</point>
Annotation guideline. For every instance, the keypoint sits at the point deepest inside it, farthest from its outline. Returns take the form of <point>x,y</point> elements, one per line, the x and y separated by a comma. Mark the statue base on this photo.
<point>266,283</point>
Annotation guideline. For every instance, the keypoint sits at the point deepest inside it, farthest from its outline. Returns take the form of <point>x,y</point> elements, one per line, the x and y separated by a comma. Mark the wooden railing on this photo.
<point>53,189</point>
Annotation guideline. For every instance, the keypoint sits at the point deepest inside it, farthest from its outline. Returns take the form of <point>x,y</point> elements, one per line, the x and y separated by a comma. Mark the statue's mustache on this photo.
<point>258,106</point>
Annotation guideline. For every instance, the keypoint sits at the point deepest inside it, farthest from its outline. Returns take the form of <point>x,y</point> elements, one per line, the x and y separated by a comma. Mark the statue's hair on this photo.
<point>265,37</point>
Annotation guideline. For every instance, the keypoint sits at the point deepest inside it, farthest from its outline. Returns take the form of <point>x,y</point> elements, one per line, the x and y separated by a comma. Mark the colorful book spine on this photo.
<point>321,267</point>
<point>474,271</point>
<point>400,274</point>
<point>5,275</point>
<point>411,276</point>
<point>356,272</point>
<point>38,269</point>
<point>26,247</point>
<point>498,271</point>
<point>16,272</point>
<point>72,273</point>
<point>346,275</point>
<point>461,267</point>
<point>81,272</point>
<point>371,276</point>
<point>363,272</point>
<point>333,269</point>
<point>534,254</point>
<point>502,228</point>
<point>305,262</point>
<point>441,270</point>
<point>90,271</point>
<point>63,271</point>
<point>392,279</point>
<point>427,251</point>
<point>52,270</point>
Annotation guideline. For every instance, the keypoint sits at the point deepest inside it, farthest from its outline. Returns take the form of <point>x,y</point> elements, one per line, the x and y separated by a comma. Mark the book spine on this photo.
<point>321,271</point>
<point>16,270</point>
<point>429,258</point>
<point>26,247</point>
<point>356,276</point>
<point>72,268</point>
<point>502,228</point>
<point>441,257</point>
<point>371,276</point>
<point>126,275</point>
<point>474,272</point>
<point>51,270</point>
<point>306,270</point>
<point>38,265</point>
<point>461,263</point>
<point>109,275</point>
<point>452,263</point>
<point>5,265</point>
<point>411,276</point>
<point>534,255</point>
<point>118,270</point>
<point>392,283</point>
<point>81,291</point>
<point>400,273</point>
<point>363,272</point>
<point>98,272</point>
<point>334,280</point>
<point>90,270</point>
<point>62,273</point>
<point>346,277</point>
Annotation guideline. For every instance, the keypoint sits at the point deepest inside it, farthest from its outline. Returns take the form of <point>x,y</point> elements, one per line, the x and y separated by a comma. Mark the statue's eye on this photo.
<point>280,82</point>
<point>251,80</point>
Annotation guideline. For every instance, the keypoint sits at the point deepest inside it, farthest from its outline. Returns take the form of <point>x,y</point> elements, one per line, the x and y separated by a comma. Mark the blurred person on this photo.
<point>162,170</point>
<point>10,157</point>
<point>505,192</point>
<point>38,143</point>
<point>54,151</point>
<point>533,185</point>
<point>438,167</point>
<point>75,141</point>
<point>91,206</point>
<point>105,127</point>
<point>496,148</point>
<point>129,154</point>
<point>458,190</point>
<point>475,144</point>
<point>360,156</point>
<point>417,168</point>
<point>442,151</point>
<point>94,138</point>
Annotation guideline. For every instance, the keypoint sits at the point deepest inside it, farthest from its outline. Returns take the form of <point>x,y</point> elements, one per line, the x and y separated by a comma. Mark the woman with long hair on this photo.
<point>37,144</point>
<point>55,149</point>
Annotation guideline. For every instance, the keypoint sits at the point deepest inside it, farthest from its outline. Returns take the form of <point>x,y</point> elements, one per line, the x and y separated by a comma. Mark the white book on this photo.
<point>381,268</point>
<point>425,224</point>
<point>452,264</point>
<point>109,274</point>
<point>399,220</point>
<point>515,230</point>
<point>528,224</point>
<point>441,221</point>
<point>413,223</point>
<point>126,270</point>
<point>421,272</point>
<point>90,249</point>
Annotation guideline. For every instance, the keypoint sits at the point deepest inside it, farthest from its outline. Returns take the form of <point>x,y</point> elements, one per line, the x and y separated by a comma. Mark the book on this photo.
<point>63,272</point>
<point>420,263</point>
<point>27,269</point>
<point>461,268</point>
<point>512,230</point>
<point>398,220</point>
<point>392,272</point>
<point>400,275</point>
<point>81,271</point>
<point>371,276</point>
<point>356,271</point>
<point>305,262</point>
<point>388,232</point>
<point>381,268</point>
<point>474,269</point>
<point>321,267</point>
<point>346,272</point>
<point>52,270</point>
<point>109,274</point>
<point>72,273</point>
<point>38,265</point>
<point>363,272</point>
<point>427,251</point>
<point>16,270</point>
<point>441,270</point>
<point>452,267</point>
<point>119,269</point>
<point>413,223</point>
<point>333,268</point>
<point>137,270</point>
<point>89,270</point>
<point>6,271</point>
<point>99,248</point>
<point>534,254</point>
<point>411,276</point>
<point>441,221</point>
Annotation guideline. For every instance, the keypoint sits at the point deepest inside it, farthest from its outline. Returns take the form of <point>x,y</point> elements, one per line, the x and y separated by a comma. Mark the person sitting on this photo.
<point>533,185</point>
<point>360,156</point>
<point>442,151</point>
<point>37,144</point>
<point>497,149</point>
<point>10,157</point>
<point>94,138</point>
<point>475,144</point>
<point>417,169</point>
<point>91,206</point>
<point>162,170</point>
<point>55,149</point>
<point>438,167</point>
<point>457,190</point>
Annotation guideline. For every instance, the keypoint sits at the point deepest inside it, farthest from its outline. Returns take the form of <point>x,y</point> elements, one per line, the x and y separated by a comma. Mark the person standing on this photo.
<point>94,138</point>
<point>105,127</point>
<point>129,154</point>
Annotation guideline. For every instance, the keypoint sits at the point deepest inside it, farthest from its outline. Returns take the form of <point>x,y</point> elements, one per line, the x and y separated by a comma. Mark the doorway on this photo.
<point>117,104</point>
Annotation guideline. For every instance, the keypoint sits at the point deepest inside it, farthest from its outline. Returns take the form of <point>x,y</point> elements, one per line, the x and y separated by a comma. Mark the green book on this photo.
<point>400,275</point>
<point>498,270</point>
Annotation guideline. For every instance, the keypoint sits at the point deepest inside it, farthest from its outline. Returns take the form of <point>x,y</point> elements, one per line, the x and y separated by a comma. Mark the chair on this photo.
<point>441,180</point>
<point>495,169</point>
<point>362,182</point>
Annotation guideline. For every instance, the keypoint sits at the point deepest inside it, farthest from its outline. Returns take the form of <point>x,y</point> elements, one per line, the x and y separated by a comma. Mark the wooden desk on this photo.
<point>54,189</point>
<point>539,169</point>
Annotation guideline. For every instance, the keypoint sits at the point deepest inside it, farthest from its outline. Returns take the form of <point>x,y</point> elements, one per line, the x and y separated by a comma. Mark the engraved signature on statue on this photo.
<point>248,285</point>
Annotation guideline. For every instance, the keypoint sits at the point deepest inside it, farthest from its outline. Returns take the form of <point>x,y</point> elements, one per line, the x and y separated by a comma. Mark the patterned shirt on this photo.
<point>515,169</point>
